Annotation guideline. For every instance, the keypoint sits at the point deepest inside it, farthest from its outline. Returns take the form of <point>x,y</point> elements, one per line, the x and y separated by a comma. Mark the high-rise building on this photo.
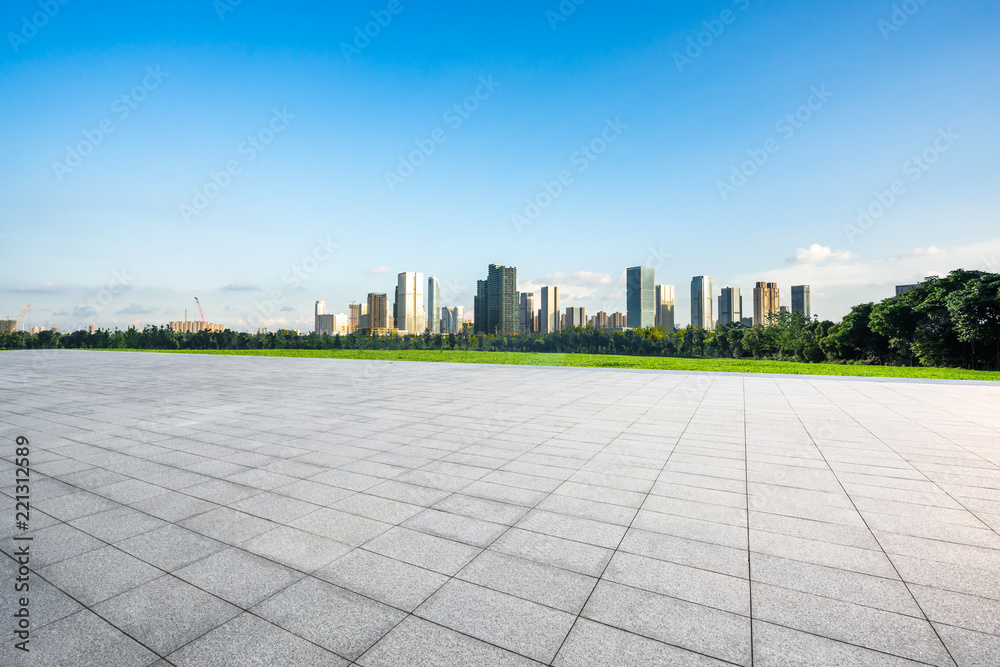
<point>800,301</point>
<point>410,303</point>
<point>730,305</point>
<point>640,296</point>
<point>548,314</point>
<point>766,302</point>
<point>452,319</point>
<point>616,320</point>
<point>526,313</point>
<point>356,310</point>
<point>576,317</point>
<point>433,305</point>
<point>701,302</point>
<point>665,306</point>
<point>600,320</point>
<point>903,289</point>
<point>323,321</point>
<point>378,311</point>
<point>479,306</point>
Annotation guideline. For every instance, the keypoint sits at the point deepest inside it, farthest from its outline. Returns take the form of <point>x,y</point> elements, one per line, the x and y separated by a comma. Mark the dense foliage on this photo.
<point>952,321</point>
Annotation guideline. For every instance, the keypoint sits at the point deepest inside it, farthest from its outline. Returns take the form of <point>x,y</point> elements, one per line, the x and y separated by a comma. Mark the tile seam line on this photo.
<point>870,531</point>
<point>639,509</point>
<point>746,499</point>
<point>454,576</point>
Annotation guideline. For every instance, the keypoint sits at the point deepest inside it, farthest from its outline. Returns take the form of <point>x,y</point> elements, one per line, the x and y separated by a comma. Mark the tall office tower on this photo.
<point>479,307</point>
<point>410,303</point>
<point>354,310</point>
<point>701,302</point>
<point>378,311</point>
<point>433,305</point>
<point>526,313</point>
<point>601,320</point>
<point>576,317</point>
<point>501,300</point>
<point>548,314</point>
<point>320,310</point>
<point>730,305</point>
<point>452,319</point>
<point>665,306</point>
<point>640,296</point>
<point>800,301</point>
<point>538,320</point>
<point>766,301</point>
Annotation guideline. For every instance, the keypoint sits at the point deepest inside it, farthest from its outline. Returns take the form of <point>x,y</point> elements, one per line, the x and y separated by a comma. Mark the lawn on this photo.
<point>619,361</point>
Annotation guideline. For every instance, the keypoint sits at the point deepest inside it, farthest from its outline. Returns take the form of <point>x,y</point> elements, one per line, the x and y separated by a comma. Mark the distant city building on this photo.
<point>562,321</point>
<point>665,306</point>
<point>747,321</point>
<point>548,317</point>
<point>800,301</point>
<point>479,306</point>
<point>378,312</point>
<point>701,302</point>
<point>7,326</point>
<point>410,303</point>
<point>260,331</point>
<point>92,328</point>
<point>34,330</point>
<point>453,319</point>
<point>766,301</point>
<point>600,320</point>
<point>730,305</point>
<point>576,317</point>
<point>903,289</point>
<point>194,326</point>
<point>783,309</point>
<point>433,305</point>
<point>526,312</point>
<point>616,320</point>
<point>496,302</point>
<point>640,297</point>
<point>355,311</point>
<point>329,323</point>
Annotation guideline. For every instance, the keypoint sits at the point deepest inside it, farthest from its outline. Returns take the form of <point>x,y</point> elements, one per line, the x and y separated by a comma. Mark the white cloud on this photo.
<point>817,253</point>
<point>922,252</point>
<point>240,286</point>
<point>379,269</point>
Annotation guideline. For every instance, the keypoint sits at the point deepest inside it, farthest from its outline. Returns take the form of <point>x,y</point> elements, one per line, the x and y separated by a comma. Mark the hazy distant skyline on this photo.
<point>238,151</point>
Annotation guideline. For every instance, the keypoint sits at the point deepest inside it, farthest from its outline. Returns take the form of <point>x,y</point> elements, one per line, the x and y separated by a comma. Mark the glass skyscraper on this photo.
<point>640,297</point>
<point>701,302</point>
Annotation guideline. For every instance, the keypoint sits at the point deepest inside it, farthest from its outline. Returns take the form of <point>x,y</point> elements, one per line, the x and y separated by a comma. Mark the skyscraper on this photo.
<point>766,301</point>
<point>496,302</point>
<point>452,319</point>
<point>526,313</point>
<point>800,301</point>
<point>576,317</point>
<point>378,311</point>
<point>479,306</point>
<point>410,303</point>
<point>730,305</point>
<point>356,310</point>
<point>549,312</point>
<point>320,310</point>
<point>665,306</point>
<point>640,296</point>
<point>701,302</point>
<point>433,305</point>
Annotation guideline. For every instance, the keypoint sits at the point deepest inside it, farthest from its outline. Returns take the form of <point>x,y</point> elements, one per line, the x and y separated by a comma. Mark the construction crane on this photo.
<point>136,324</point>
<point>23,313</point>
<point>200,311</point>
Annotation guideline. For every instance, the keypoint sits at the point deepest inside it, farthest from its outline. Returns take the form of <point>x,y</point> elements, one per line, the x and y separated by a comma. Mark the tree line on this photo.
<point>952,321</point>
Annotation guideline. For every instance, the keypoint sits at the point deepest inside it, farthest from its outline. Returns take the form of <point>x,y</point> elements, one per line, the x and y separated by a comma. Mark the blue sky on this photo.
<point>310,129</point>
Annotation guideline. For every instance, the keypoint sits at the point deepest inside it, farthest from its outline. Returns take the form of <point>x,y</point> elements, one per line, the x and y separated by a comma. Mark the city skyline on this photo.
<point>834,159</point>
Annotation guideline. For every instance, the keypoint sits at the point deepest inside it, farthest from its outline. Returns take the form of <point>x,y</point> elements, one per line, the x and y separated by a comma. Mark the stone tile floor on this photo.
<point>204,510</point>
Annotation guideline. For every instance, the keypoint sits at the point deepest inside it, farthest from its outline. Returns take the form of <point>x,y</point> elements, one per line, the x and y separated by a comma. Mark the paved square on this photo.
<point>217,510</point>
